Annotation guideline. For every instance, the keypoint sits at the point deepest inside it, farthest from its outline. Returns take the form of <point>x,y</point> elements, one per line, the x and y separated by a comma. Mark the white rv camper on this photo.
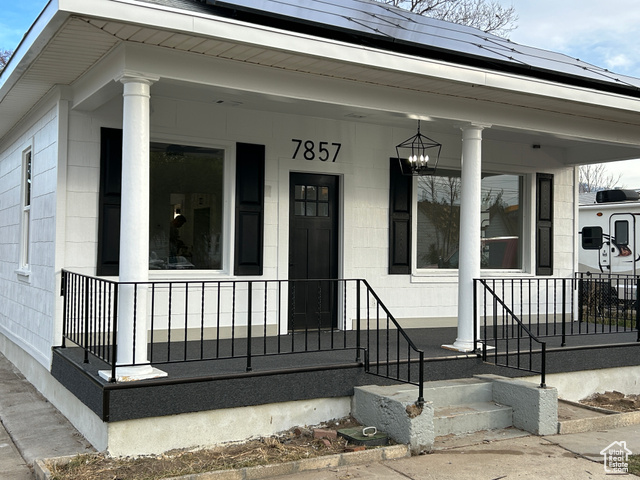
<point>609,232</point>
<point>610,243</point>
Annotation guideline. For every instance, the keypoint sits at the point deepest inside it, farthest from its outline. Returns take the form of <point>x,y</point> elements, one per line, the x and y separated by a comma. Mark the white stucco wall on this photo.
<point>424,298</point>
<point>28,296</point>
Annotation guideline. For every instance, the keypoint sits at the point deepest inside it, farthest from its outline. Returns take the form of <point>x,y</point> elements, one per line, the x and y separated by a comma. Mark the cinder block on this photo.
<point>396,451</point>
<point>329,461</point>
<point>357,458</point>
<point>268,471</point>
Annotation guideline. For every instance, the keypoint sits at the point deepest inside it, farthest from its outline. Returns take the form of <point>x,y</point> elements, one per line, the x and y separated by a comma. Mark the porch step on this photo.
<point>471,417</point>
<point>456,407</point>
<point>445,393</point>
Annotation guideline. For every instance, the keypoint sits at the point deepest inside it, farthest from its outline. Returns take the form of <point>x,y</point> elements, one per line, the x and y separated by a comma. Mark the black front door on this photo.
<point>313,250</point>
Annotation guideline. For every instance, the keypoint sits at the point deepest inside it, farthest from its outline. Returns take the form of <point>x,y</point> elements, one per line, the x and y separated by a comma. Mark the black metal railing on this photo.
<point>505,340</point>
<point>607,303</point>
<point>513,314</point>
<point>238,321</point>
<point>586,304</point>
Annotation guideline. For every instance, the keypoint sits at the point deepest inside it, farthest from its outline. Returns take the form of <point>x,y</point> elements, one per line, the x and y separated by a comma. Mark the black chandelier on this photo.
<point>413,155</point>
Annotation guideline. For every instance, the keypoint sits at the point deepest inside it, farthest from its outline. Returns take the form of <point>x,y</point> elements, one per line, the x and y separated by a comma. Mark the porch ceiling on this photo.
<point>331,68</point>
<point>83,41</point>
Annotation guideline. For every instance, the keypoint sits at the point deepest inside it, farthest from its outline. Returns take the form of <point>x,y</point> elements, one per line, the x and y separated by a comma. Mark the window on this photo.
<point>186,207</point>
<point>592,238</point>
<point>26,208</point>
<point>621,232</point>
<point>311,201</point>
<point>438,221</point>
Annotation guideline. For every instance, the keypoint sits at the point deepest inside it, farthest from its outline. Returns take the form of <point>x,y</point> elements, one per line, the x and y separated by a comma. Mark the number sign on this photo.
<point>309,150</point>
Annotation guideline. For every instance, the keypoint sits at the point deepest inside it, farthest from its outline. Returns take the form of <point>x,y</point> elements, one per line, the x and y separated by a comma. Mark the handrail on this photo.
<point>502,342</point>
<point>410,343</point>
<point>195,320</point>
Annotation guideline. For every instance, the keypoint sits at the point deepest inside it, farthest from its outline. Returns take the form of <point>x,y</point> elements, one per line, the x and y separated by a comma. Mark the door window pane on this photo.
<point>311,209</point>
<point>323,209</point>
<point>299,192</point>
<point>186,213</point>
<point>312,192</point>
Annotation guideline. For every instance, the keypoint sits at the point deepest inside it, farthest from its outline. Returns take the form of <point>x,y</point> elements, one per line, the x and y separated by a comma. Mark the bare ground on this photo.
<point>295,444</point>
<point>613,400</point>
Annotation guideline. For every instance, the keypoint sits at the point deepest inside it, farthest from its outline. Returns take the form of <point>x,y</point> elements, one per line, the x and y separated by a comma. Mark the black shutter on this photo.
<point>109,202</point>
<point>544,224</point>
<point>400,200</point>
<point>249,235</point>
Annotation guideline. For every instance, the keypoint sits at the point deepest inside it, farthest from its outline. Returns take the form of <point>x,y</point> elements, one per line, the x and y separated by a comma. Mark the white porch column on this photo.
<point>134,232</point>
<point>469,248</point>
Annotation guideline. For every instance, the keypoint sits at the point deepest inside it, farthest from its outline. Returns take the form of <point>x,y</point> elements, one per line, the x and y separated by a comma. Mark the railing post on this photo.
<point>65,300</point>
<point>114,341</point>
<point>86,320</point>
<point>249,329</point>
<point>358,359</point>
<point>637,312</point>
<point>543,366</point>
<point>564,313</point>
<point>475,315</point>
<point>421,381</point>
<point>581,298</point>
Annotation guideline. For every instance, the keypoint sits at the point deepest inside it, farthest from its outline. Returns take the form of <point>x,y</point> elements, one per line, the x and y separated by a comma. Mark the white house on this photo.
<point>272,129</point>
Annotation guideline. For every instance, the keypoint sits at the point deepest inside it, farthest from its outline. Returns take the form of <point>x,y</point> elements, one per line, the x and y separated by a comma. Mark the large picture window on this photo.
<point>438,221</point>
<point>186,207</point>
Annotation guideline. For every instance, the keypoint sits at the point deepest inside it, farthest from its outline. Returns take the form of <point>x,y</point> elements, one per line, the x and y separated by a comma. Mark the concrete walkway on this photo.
<point>32,428</point>
<point>528,457</point>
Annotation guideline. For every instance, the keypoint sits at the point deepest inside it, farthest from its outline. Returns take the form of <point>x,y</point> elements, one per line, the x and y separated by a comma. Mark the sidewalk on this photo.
<point>31,428</point>
<point>528,457</point>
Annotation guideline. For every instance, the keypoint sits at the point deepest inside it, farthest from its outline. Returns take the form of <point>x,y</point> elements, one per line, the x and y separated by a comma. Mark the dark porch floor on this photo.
<point>214,384</point>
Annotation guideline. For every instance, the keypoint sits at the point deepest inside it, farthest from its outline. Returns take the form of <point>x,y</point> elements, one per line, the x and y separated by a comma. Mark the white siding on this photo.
<point>28,298</point>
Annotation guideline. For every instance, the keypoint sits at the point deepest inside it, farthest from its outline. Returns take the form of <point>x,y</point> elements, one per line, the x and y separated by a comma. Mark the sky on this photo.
<point>606,34</point>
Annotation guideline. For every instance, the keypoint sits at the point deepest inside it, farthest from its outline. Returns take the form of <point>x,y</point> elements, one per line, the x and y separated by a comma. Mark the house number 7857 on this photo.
<point>323,151</point>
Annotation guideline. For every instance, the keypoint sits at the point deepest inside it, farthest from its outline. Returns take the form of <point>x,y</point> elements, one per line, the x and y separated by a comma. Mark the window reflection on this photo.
<point>186,213</point>
<point>438,221</point>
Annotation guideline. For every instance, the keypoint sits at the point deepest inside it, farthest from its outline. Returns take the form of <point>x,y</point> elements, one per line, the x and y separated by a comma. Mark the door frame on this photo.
<point>285,168</point>
<point>333,222</point>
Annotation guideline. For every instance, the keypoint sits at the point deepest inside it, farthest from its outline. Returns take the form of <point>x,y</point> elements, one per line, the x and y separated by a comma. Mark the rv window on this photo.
<point>592,238</point>
<point>621,229</point>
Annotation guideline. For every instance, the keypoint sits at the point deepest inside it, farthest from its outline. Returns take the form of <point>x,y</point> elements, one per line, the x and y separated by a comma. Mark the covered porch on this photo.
<point>526,326</point>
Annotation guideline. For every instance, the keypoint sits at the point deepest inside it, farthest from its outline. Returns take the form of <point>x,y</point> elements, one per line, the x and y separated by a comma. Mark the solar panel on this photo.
<point>399,28</point>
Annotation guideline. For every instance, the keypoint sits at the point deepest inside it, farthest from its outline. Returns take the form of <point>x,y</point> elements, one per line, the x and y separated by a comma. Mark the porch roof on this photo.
<point>371,23</point>
<point>71,37</point>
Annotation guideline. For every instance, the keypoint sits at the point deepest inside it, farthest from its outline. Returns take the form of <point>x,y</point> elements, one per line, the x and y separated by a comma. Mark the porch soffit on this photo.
<point>341,70</point>
<point>72,52</point>
<point>82,42</point>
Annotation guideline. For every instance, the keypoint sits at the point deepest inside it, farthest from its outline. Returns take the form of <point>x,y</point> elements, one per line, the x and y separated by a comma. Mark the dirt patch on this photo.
<point>613,400</point>
<point>295,444</point>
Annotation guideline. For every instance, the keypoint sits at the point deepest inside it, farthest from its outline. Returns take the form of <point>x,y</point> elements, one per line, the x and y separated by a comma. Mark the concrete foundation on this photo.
<point>575,386</point>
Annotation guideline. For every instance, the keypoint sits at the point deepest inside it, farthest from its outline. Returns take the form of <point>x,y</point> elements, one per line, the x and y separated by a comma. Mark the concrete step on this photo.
<point>460,391</point>
<point>471,417</point>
